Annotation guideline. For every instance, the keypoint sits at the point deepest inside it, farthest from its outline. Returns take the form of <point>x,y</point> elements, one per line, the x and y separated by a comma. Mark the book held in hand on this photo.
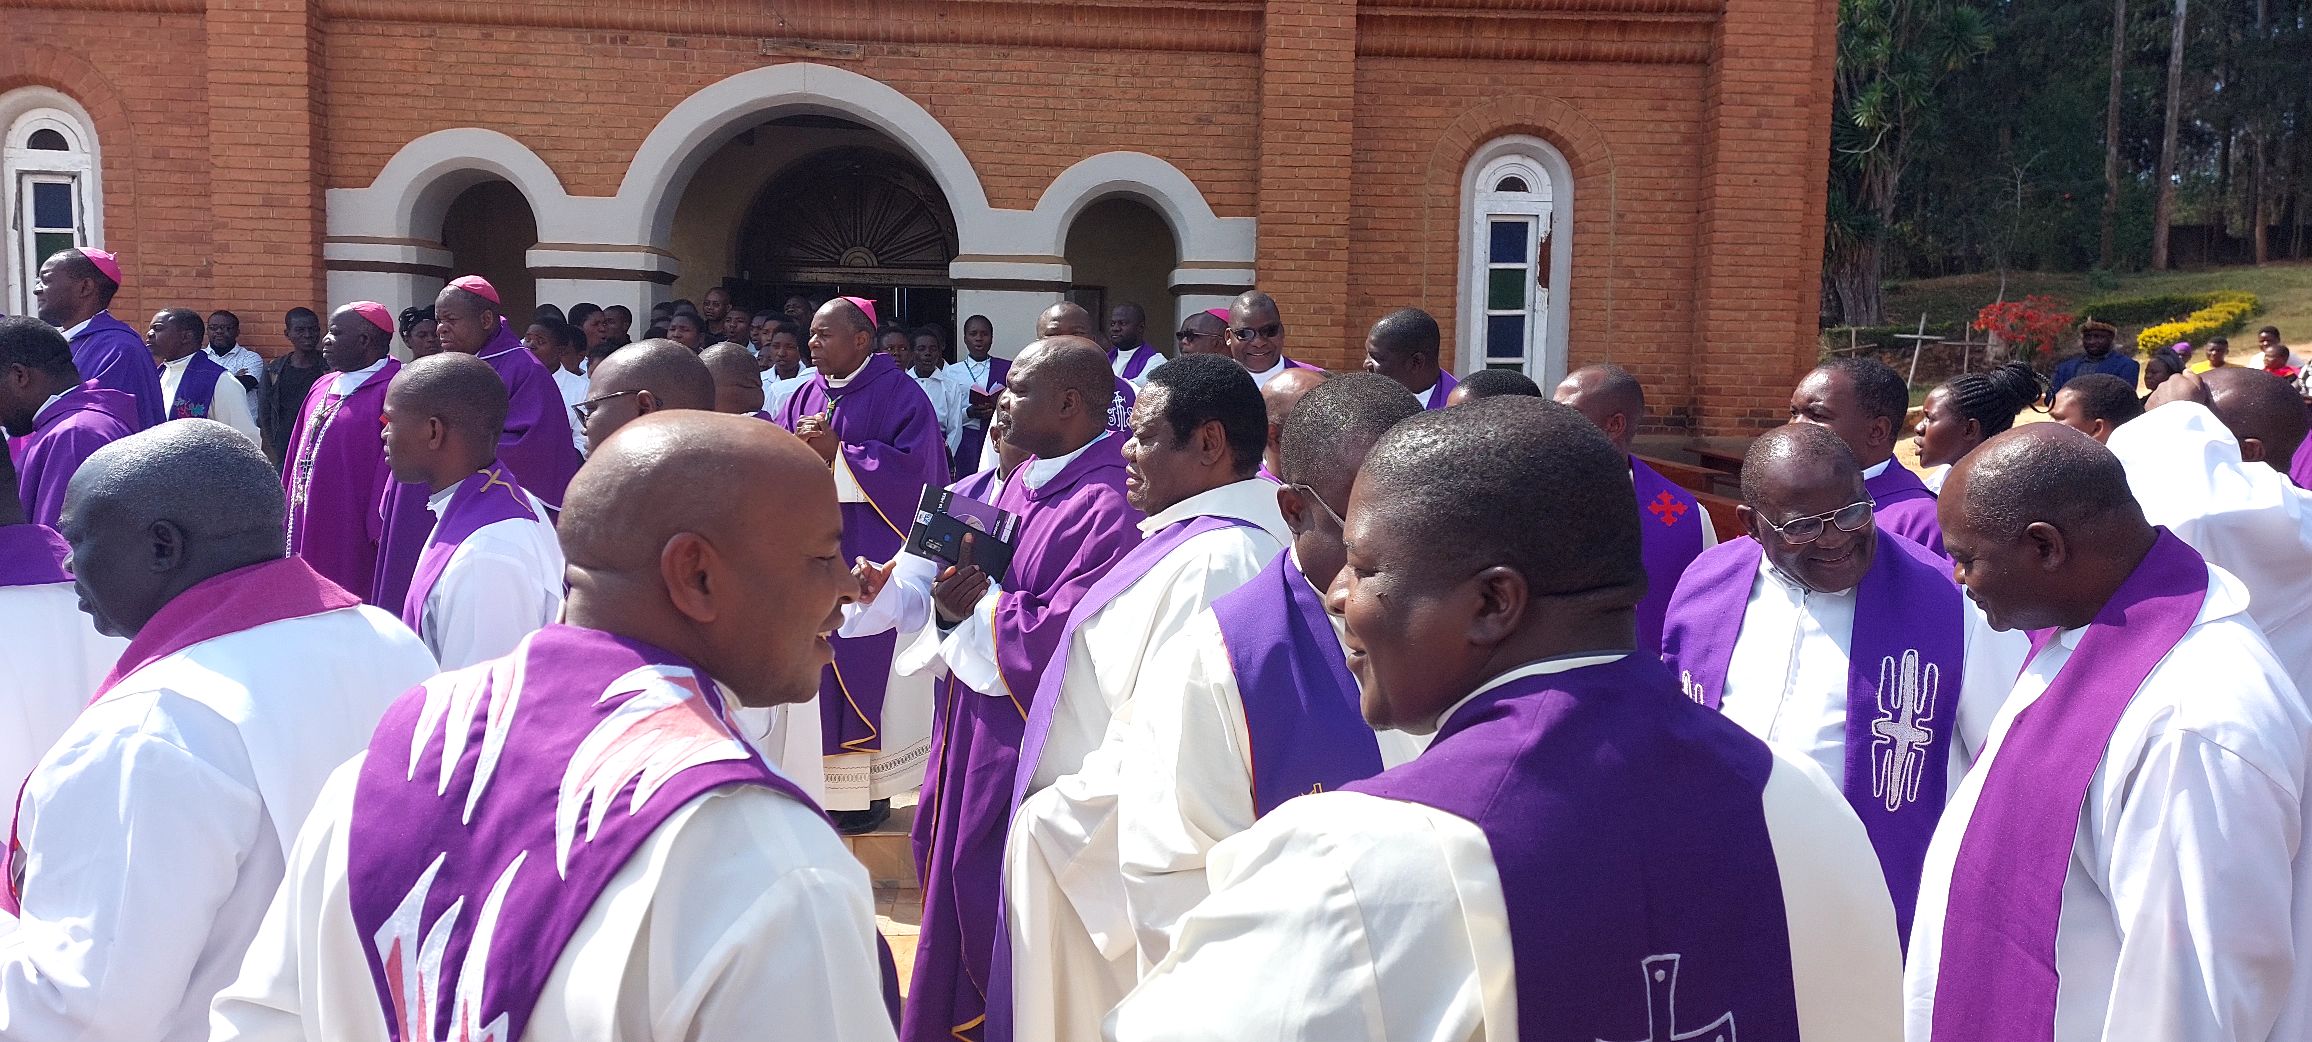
<point>944,518</point>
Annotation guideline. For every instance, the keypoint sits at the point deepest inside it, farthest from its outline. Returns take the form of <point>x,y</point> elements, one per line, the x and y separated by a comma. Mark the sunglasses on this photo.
<point>1852,517</point>
<point>1190,334</point>
<point>585,410</point>
<point>1270,331</point>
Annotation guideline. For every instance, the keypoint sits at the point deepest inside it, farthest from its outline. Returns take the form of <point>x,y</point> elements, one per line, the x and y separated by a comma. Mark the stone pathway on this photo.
<point>890,861</point>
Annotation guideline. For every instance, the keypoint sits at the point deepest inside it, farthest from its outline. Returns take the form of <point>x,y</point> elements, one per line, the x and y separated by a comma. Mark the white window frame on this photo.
<point>1549,206</point>
<point>24,112</point>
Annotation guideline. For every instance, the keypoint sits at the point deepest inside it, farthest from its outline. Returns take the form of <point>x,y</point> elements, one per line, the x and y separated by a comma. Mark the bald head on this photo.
<point>1072,363</point>
<point>2042,472</point>
<point>1795,449</point>
<point>1493,383</point>
<point>1282,393</point>
<point>1610,397</point>
<point>1056,400</point>
<point>461,391</point>
<point>653,560</point>
<point>2042,526</point>
<point>203,484</point>
<point>738,378</point>
<point>640,379</point>
<point>1334,425</point>
<point>1065,318</point>
<point>2260,408</point>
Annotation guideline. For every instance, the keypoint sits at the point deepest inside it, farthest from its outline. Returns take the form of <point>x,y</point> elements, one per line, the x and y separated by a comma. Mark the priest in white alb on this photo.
<point>151,837</point>
<point>572,843</point>
<point>1581,852</point>
<point>2128,860</point>
<point>1068,955</point>
<point>1252,703</point>
<point>491,573</point>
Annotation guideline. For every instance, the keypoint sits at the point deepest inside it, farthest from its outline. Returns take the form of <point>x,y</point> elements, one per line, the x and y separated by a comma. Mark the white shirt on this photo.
<point>55,660</point>
<point>342,384</point>
<point>950,401</point>
<point>225,407</point>
<point>240,361</point>
<point>1123,360</point>
<point>742,916</point>
<point>1185,767</point>
<point>1072,940</point>
<point>2185,910</point>
<point>573,388</point>
<point>501,584</point>
<point>156,829</point>
<point>1934,478</point>
<point>777,391</point>
<point>1261,379</point>
<point>2246,518</point>
<point>970,373</point>
<point>1786,679</point>
<point>1343,917</point>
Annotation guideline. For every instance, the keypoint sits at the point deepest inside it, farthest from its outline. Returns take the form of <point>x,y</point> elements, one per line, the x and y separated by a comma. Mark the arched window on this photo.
<point>1517,206</point>
<point>48,185</point>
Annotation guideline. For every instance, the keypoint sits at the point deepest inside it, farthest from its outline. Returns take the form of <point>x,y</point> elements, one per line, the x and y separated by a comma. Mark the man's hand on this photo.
<point>872,577</point>
<point>2182,387</point>
<point>960,587</point>
<point>824,443</point>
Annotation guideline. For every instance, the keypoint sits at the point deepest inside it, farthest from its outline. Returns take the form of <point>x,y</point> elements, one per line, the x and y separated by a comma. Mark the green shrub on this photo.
<point>2222,313</point>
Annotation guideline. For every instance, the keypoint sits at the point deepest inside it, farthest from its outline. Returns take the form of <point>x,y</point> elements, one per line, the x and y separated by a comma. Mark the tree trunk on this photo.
<point>2256,192</point>
<point>2163,211</point>
<point>2111,133</point>
<point>1854,276</point>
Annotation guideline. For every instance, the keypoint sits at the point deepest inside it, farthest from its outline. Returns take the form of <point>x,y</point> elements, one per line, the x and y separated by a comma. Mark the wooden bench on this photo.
<point>1722,518</point>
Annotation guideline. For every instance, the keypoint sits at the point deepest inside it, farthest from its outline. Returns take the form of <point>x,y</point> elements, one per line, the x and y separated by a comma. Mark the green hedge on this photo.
<point>2224,312</point>
<point>2129,311</point>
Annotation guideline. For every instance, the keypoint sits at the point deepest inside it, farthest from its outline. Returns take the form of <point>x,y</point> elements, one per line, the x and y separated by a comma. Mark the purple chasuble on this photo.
<point>333,473</point>
<point>1073,528</point>
<point>2300,468</point>
<point>1305,728</point>
<point>484,498</point>
<point>505,797</point>
<point>34,555</point>
<point>1138,363</point>
<point>1997,979</point>
<point>1905,507</point>
<point>1670,519</point>
<point>1435,399</point>
<point>1120,407</point>
<point>1629,829</point>
<point>197,388</point>
<point>66,432</point>
<point>892,447</point>
<point>110,354</point>
<point>1909,637</point>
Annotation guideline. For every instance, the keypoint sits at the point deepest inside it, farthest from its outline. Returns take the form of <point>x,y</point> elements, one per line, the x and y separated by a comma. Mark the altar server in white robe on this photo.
<point>1253,703</point>
<point>2210,460</point>
<point>56,658</point>
<point>491,573</point>
<point>2128,861</point>
<point>1581,852</point>
<point>150,838</point>
<point>1198,429</point>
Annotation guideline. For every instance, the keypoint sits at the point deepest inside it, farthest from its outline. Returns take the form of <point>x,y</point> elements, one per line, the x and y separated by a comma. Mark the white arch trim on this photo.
<point>412,195</point>
<point>1204,239</point>
<point>682,141</point>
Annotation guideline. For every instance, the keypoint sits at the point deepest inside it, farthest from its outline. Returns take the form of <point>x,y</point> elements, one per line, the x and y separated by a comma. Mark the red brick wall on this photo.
<point>1307,135</point>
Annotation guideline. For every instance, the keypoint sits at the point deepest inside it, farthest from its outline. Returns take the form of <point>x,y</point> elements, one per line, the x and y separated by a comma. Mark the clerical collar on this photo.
<point>1871,472</point>
<point>50,403</point>
<point>76,330</point>
<point>181,362</point>
<point>1766,567</point>
<point>1265,375</point>
<point>346,383</point>
<point>1237,499</point>
<point>1041,471</point>
<point>845,379</point>
<point>1544,667</point>
<point>440,501</point>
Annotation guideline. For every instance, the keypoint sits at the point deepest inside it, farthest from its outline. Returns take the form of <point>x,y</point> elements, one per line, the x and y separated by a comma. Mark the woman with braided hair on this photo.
<point>1968,410</point>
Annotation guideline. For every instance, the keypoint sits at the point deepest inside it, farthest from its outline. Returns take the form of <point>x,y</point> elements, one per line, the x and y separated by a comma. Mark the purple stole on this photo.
<point>32,555</point>
<point>484,498</point>
<point>2300,468</point>
<point>506,797</point>
<point>1435,399</point>
<point>1905,507</point>
<point>1306,730</point>
<point>1908,638</point>
<point>84,419</point>
<point>893,448</point>
<point>333,471</point>
<point>1073,528</point>
<point>1120,407</point>
<point>1136,364</point>
<point>1670,519</point>
<point>198,388</point>
<point>1997,979</point>
<point>1630,833</point>
<point>110,354</point>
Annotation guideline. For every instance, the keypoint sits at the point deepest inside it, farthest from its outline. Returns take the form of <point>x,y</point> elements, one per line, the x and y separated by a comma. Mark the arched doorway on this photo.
<point>858,221</point>
<point>489,231</point>
<point>1119,251</point>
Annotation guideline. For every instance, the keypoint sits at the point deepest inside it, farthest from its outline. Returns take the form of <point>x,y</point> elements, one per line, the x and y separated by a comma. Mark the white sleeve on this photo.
<point>904,603</point>
<point>2202,886</point>
<point>1186,781</point>
<point>1709,528</point>
<point>1993,661</point>
<point>484,604</point>
<point>1340,917</point>
<point>133,848</point>
<point>267,1002</point>
<point>969,648</point>
<point>232,410</point>
<point>1071,938</point>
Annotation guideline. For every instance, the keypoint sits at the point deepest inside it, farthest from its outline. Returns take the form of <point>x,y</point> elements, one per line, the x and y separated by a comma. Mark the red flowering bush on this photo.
<point>2031,325</point>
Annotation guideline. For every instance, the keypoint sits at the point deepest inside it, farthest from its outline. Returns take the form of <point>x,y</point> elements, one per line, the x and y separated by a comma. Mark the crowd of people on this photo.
<point>520,689</point>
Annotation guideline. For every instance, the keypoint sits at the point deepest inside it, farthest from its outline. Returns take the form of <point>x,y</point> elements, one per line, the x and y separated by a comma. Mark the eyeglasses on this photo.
<point>585,410</point>
<point>1320,502</point>
<point>1852,517</point>
<point>1270,331</point>
<point>1190,334</point>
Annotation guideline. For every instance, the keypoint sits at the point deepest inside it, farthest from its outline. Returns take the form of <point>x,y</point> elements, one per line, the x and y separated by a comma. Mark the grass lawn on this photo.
<point>2286,290</point>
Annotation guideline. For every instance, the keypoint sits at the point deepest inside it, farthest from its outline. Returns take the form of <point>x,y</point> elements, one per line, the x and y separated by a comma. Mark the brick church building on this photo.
<point>1559,181</point>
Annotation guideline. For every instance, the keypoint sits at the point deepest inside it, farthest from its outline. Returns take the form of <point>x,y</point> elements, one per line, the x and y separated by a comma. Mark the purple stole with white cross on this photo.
<point>1997,981</point>
<point>1670,519</point>
<point>198,389</point>
<point>1909,637</point>
<point>1629,830</point>
<point>1303,724</point>
<point>484,498</point>
<point>497,803</point>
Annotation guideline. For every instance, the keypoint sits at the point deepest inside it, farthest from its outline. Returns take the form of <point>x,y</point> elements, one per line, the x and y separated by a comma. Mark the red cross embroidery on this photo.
<point>1667,508</point>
